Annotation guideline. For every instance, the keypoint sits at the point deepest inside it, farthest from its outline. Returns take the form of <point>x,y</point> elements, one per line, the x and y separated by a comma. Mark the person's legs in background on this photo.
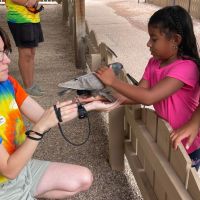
<point>27,36</point>
<point>26,65</point>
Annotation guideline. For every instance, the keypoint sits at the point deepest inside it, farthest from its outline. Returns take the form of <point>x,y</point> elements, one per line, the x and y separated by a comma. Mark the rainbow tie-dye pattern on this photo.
<point>19,14</point>
<point>12,129</point>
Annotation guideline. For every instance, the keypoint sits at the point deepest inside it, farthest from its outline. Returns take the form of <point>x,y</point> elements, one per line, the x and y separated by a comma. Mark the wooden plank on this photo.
<point>150,172</point>
<point>151,122</point>
<point>181,163</point>
<point>139,174</point>
<point>79,37</point>
<point>116,139</point>
<point>173,185</point>
<point>129,118</point>
<point>95,61</point>
<point>127,129</point>
<point>194,184</point>
<point>140,154</point>
<point>137,111</point>
<point>159,189</point>
<point>71,16</point>
<point>93,39</point>
<point>144,115</point>
<point>134,141</point>
<point>65,10</point>
<point>106,54</point>
<point>163,137</point>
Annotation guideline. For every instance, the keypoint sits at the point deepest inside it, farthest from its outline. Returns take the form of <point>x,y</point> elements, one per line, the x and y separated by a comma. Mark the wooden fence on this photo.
<point>192,6</point>
<point>161,172</point>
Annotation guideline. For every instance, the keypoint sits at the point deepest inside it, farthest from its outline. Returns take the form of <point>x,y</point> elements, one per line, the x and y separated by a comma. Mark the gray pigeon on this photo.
<point>90,82</point>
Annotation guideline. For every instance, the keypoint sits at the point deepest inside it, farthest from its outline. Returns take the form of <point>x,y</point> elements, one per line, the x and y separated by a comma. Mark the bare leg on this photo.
<point>62,180</point>
<point>26,65</point>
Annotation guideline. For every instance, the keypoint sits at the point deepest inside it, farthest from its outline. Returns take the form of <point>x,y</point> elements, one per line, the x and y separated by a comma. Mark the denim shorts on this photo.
<point>26,35</point>
<point>25,185</point>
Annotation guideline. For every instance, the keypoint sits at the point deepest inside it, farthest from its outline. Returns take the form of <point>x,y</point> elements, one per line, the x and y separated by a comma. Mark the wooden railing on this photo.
<point>192,6</point>
<point>74,14</point>
<point>161,172</point>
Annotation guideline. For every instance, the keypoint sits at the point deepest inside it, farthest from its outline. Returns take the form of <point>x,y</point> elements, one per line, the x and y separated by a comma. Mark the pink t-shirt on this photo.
<point>177,109</point>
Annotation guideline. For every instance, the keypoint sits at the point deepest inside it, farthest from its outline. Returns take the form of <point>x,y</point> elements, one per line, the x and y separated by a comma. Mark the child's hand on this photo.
<point>106,75</point>
<point>189,130</point>
<point>49,119</point>
<point>102,106</point>
<point>90,99</point>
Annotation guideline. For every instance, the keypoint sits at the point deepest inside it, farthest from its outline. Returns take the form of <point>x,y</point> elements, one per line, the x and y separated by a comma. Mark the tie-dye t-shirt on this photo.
<point>19,14</point>
<point>12,129</point>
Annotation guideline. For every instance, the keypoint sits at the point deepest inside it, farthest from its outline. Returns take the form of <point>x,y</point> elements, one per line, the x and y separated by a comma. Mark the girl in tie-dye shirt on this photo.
<point>21,177</point>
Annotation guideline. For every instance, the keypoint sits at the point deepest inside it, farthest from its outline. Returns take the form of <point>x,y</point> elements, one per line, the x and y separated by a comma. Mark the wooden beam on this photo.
<point>116,139</point>
<point>173,186</point>
<point>80,32</point>
<point>65,10</point>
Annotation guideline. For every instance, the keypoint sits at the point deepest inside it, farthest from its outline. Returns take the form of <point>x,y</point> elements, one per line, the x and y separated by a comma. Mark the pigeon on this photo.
<point>89,84</point>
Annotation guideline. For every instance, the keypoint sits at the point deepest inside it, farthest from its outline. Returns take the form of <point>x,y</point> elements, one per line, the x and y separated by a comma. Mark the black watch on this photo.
<point>82,113</point>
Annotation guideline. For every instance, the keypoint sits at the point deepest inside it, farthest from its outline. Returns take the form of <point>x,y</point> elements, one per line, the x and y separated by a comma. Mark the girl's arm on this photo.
<point>11,165</point>
<point>146,96</point>
<point>30,105</point>
<point>120,98</point>
<point>189,130</point>
<point>125,100</point>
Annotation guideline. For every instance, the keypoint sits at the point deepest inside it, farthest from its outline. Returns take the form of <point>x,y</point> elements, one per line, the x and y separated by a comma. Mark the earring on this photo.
<point>174,46</point>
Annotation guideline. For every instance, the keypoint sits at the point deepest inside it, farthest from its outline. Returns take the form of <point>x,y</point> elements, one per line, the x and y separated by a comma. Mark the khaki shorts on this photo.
<point>24,186</point>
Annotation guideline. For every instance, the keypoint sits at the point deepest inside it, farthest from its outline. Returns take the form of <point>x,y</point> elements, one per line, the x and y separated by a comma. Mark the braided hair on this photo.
<point>175,19</point>
<point>6,40</point>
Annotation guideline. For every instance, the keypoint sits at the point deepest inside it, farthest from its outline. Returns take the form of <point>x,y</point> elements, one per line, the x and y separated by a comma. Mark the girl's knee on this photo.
<point>86,179</point>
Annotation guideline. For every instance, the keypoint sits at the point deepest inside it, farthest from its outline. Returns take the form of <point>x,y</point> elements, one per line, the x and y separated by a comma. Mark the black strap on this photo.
<point>82,113</point>
<point>57,112</point>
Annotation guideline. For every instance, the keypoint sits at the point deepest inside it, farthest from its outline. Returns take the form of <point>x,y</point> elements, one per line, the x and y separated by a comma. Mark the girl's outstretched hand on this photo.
<point>90,99</point>
<point>102,105</point>
<point>106,75</point>
<point>189,130</point>
<point>119,97</point>
<point>49,119</point>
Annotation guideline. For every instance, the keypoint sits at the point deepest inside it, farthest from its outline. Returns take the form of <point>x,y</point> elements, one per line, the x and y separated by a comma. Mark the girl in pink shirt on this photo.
<point>171,78</point>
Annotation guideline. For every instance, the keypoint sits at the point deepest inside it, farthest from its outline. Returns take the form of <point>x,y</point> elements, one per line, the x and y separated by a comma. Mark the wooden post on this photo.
<point>116,139</point>
<point>65,10</point>
<point>173,2</point>
<point>71,16</point>
<point>189,6</point>
<point>79,34</point>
